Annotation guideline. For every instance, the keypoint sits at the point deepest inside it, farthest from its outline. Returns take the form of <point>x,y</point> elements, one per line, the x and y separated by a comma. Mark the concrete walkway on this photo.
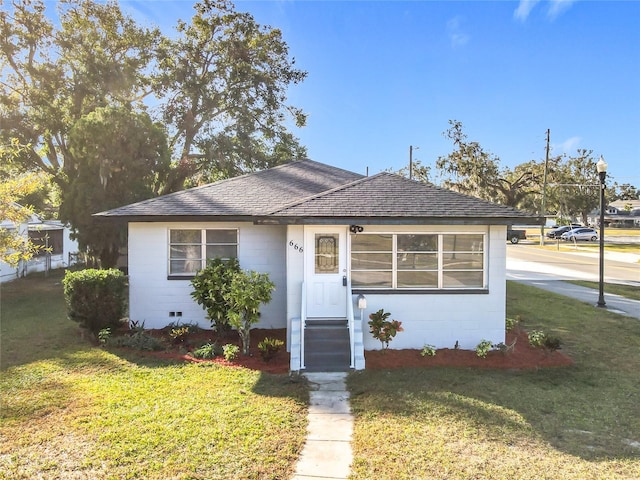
<point>327,452</point>
<point>614,303</point>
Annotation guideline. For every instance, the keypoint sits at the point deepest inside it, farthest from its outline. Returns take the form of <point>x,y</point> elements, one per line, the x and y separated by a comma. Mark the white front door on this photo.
<point>326,271</point>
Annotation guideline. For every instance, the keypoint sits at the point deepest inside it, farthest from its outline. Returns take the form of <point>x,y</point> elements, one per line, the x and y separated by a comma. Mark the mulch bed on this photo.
<point>523,356</point>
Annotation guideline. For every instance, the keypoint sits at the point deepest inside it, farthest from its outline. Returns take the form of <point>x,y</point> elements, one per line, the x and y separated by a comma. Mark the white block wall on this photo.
<point>443,319</point>
<point>432,318</point>
<point>152,296</point>
<point>295,273</point>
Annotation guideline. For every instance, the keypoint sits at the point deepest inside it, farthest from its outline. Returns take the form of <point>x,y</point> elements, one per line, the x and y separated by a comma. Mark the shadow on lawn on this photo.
<point>574,409</point>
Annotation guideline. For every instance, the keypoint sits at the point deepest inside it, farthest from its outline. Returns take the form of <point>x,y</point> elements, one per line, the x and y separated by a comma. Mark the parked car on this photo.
<point>557,232</point>
<point>580,234</point>
<point>514,236</point>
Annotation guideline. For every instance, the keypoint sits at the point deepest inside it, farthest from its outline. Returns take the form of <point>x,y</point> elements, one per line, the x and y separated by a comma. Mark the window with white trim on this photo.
<point>418,261</point>
<point>189,249</point>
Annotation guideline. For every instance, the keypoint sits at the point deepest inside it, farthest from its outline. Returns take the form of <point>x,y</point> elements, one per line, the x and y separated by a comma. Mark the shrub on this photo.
<point>230,352</point>
<point>551,343</point>
<point>247,291</point>
<point>383,329</point>
<point>536,338</point>
<point>209,288</point>
<point>428,350</point>
<point>96,299</point>
<point>269,347</point>
<point>207,351</point>
<point>179,334</point>
<point>138,341</point>
<point>511,323</point>
<point>483,348</point>
<point>103,335</point>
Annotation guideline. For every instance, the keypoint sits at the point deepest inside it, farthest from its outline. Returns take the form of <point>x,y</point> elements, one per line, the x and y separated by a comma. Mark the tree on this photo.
<point>124,158</point>
<point>420,172</point>
<point>222,84</point>
<point>576,186</point>
<point>469,169</point>
<point>14,243</point>
<point>219,87</point>
<point>247,291</point>
<point>41,196</point>
<point>625,191</point>
<point>54,77</point>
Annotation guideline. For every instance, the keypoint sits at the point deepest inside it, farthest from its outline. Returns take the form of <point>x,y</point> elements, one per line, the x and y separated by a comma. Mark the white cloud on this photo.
<point>456,35</point>
<point>557,7</point>
<point>524,8</point>
<point>570,145</point>
<point>554,10</point>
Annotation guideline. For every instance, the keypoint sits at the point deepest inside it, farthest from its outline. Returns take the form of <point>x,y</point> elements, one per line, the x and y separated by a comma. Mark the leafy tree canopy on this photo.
<point>14,243</point>
<point>125,158</point>
<point>218,87</point>
<point>471,170</point>
<point>222,83</point>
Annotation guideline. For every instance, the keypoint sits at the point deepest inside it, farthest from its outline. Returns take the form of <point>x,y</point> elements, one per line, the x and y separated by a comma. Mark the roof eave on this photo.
<point>381,220</point>
<point>174,218</point>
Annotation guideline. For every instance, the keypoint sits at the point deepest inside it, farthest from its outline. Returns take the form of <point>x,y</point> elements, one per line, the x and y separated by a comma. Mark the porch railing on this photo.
<point>351,321</point>
<point>303,323</point>
<point>356,340</point>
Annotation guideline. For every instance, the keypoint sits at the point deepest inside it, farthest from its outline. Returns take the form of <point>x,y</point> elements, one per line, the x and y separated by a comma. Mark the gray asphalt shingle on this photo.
<point>390,195</point>
<point>247,195</point>
<point>307,190</point>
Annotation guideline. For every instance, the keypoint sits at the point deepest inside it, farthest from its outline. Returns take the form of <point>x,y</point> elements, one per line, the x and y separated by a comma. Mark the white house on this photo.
<point>58,249</point>
<point>433,258</point>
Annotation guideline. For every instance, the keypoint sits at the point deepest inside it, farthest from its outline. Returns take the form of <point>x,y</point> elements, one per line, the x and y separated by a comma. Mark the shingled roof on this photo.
<point>246,196</point>
<point>391,197</point>
<point>312,192</point>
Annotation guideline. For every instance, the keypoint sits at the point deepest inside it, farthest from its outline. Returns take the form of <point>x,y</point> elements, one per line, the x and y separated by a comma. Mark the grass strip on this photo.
<point>578,422</point>
<point>628,291</point>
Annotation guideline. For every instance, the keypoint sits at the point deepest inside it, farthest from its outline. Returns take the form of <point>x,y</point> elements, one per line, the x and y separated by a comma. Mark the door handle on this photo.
<point>344,281</point>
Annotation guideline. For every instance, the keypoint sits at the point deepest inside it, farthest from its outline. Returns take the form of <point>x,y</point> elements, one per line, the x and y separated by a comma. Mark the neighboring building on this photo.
<point>619,213</point>
<point>434,258</point>
<point>59,250</point>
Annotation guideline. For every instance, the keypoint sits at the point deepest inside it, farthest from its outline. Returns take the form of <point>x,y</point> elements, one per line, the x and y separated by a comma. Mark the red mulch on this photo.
<point>523,355</point>
<point>278,364</point>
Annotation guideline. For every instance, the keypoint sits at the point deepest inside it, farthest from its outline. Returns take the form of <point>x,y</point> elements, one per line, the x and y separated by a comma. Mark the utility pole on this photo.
<point>544,190</point>
<point>411,147</point>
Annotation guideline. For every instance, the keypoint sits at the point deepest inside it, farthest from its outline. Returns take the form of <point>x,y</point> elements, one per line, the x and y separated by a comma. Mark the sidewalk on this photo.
<point>327,452</point>
<point>614,303</point>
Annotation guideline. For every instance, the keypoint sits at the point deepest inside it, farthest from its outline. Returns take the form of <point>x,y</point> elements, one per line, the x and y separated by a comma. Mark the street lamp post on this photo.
<point>601,166</point>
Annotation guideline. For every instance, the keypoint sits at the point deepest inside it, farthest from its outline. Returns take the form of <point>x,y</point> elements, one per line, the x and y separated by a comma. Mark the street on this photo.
<point>529,262</point>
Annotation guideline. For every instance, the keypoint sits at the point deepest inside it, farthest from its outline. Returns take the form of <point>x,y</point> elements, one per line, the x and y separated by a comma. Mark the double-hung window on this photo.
<point>418,261</point>
<point>189,249</point>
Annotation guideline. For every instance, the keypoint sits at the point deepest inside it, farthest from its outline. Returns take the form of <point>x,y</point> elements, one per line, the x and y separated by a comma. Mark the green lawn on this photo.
<point>628,291</point>
<point>72,410</point>
<point>578,422</point>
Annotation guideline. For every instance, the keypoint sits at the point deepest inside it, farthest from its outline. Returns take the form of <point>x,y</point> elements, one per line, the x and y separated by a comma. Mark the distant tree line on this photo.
<point>572,182</point>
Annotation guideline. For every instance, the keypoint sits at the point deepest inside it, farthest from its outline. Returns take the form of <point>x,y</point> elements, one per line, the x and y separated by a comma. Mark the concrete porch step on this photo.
<point>321,322</point>
<point>327,348</point>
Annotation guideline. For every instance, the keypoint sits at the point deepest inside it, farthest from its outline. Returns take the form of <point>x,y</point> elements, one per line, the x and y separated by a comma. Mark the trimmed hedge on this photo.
<point>96,299</point>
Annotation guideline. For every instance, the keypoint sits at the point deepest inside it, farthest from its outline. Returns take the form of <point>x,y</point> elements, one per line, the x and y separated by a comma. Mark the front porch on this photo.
<point>327,344</point>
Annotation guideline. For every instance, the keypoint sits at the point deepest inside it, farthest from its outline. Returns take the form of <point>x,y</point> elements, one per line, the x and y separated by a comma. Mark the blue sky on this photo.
<point>387,75</point>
